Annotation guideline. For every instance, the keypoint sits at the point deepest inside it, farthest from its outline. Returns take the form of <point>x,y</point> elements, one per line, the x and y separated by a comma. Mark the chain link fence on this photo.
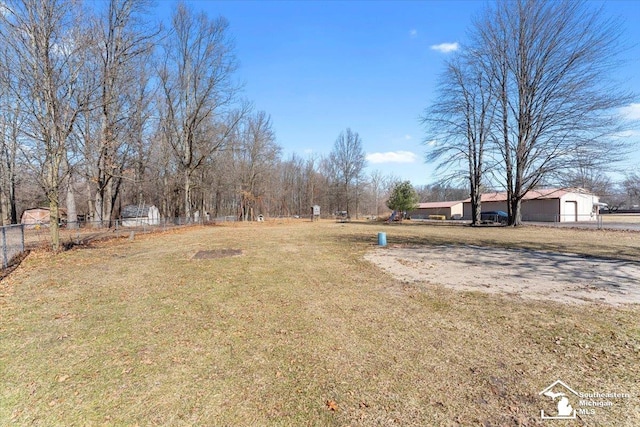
<point>13,243</point>
<point>19,238</point>
<point>603,221</point>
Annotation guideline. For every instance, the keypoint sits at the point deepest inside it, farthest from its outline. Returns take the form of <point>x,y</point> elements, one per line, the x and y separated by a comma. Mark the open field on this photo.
<point>622,218</point>
<point>287,323</point>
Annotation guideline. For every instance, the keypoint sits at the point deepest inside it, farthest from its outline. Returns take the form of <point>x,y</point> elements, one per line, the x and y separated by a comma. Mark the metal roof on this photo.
<point>437,205</point>
<point>543,193</point>
<point>135,211</point>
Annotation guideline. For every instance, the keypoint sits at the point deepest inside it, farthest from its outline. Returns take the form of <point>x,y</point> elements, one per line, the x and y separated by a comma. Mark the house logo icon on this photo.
<point>561,394</point>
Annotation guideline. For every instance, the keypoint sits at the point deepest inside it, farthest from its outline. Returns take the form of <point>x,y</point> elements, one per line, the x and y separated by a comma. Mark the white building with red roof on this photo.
<point>545,205</point>
<point>450,210</point>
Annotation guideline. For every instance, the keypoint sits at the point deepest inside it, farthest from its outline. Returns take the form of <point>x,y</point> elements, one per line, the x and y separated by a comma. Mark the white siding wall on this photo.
<point>583,205</point>
<point>423,213</point>
<point>456,209</point>
<point>548,210</point>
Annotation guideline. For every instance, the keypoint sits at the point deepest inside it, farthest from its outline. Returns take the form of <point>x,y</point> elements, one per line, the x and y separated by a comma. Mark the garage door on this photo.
<point>570,211</point>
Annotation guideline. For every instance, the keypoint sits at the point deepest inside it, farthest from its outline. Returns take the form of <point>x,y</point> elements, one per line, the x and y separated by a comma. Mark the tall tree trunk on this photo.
<point>165,196</point>
<point>54,217</point>
<point>98,207</point>
<point>72,214</point>
<point>507,150</point>
<point>187,194</point>
<point>515,206</point>
<point>3,208</point>
<point>476,203</point>
<point>54,204</point>
<point>346,197</point>
<point>11,172</point>
<point>12,195</point>
<point>107,204</point>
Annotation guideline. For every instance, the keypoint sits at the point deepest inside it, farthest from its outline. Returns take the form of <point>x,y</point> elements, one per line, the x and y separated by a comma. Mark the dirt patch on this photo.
<point>217,253</point>
<point>531,274</point>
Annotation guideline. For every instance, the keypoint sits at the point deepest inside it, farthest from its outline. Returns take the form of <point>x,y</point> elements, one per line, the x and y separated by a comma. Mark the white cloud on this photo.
<point>627,134</point>
<point>445,47</point>
<point>4,10</point>
<point>63,49</point>
<point>392,157</point>
<point>408,137</point>
<point>413,33</point>
<point>308,151</point>
<point>631,112</point>
<point>432,143</point>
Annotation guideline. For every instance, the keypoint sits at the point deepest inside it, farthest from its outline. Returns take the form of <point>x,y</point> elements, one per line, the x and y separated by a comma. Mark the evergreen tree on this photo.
<point>403,197</point>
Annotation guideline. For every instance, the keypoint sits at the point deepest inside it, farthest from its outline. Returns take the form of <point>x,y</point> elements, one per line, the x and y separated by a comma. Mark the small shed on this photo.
<point>450,210</point>
<point>36,217</point>
<point>136,215</point>
<point>315,213</point>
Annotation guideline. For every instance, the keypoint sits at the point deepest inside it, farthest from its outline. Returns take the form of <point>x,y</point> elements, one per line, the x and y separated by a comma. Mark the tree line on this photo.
<point>101,107</point>
<point>530,101</point>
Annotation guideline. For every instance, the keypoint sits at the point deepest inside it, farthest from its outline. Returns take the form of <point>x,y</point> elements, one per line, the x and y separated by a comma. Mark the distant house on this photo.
<point>450,210</point>
<point>545,205</point>
<point>36,217</point>
<point>136,215</point>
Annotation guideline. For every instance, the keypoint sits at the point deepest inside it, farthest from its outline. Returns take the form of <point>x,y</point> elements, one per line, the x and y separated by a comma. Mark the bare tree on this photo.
<point>440,192</point>
<point>141,98</point>
<point>257,155</point>
<point>290,196</point>
<point>594,180</point>
<point>553,63</point>
<point>347,161</point>
<point>198,91</point>
<point>48,48</point>
<point>376,181</point>
<point>122,38</point>
<point>10,122</point>
<point>631,188</point>
<point>459,123</point>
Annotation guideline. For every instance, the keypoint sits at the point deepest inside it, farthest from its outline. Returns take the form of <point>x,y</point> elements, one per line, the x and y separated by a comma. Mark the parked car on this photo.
<point>494,217</point>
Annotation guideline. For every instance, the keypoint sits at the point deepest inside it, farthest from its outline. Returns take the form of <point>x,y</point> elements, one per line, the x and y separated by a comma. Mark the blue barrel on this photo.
<point>382,239</point>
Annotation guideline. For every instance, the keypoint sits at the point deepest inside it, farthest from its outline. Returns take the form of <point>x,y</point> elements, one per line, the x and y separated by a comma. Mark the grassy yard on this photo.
<point>300,330</point>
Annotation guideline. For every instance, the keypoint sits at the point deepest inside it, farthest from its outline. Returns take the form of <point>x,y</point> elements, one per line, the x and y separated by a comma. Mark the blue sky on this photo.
<point>320,67</point>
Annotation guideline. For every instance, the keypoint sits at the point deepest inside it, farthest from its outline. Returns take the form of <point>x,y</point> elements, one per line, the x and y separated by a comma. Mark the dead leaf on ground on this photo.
<point>332,405</point>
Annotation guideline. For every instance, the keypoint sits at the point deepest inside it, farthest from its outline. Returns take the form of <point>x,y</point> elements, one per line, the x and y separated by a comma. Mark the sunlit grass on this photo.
<point>138,332</point>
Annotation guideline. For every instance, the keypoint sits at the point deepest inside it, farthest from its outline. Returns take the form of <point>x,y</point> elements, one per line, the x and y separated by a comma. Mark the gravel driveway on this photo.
<point>539,275</point>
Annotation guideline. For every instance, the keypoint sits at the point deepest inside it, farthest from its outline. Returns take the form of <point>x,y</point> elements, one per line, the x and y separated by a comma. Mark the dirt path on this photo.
<point>568,278</point>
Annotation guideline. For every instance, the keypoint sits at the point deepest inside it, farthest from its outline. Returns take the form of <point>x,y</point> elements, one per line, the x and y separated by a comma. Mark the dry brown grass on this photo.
<point>626,218</point>
<point>299,330</point>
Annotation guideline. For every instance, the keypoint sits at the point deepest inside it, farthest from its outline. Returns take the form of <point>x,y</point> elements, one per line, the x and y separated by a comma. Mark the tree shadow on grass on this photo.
<point>596,250</point>
<point>532,265</point>
<point>528,262</point>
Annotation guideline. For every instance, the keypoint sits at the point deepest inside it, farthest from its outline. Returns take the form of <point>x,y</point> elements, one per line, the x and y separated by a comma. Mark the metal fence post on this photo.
<point>22,237</point>
<point>5,259</point>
